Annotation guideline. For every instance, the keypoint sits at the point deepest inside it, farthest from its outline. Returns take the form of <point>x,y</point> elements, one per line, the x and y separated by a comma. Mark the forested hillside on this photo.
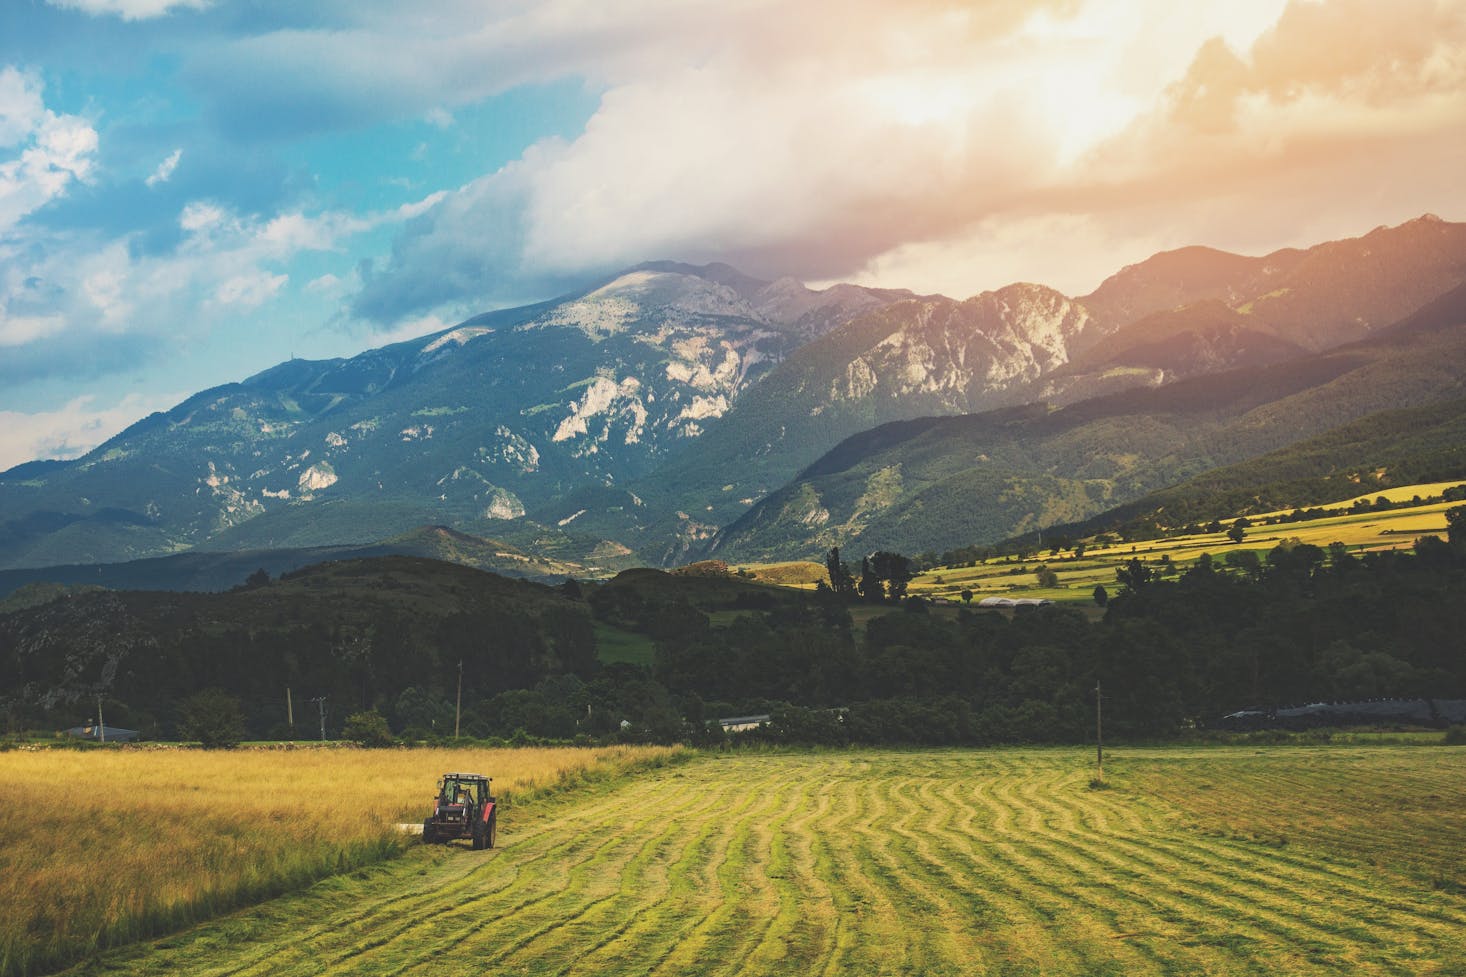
<point>1304,624</point>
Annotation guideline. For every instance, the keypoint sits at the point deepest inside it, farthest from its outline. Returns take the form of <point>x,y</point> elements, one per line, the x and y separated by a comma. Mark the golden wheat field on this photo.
<point>101,847</point>
<point>1215,860</point>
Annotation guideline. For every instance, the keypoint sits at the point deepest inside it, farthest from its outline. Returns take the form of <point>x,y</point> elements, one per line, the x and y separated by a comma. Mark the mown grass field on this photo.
<point>799,574</point>
<point>1223,860</point>
<point>1360,532</point>
<point>102,847</point>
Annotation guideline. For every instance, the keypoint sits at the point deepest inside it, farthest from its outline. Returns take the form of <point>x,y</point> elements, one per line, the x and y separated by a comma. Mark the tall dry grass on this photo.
<point>103,847</point>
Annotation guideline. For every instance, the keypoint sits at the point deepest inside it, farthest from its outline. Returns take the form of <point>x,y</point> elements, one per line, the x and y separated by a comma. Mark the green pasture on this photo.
<point>1360,532</point>
<point>1207,860</point>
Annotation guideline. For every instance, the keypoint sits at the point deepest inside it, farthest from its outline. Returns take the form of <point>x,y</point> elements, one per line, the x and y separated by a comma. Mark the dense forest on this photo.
<point>838,665</point>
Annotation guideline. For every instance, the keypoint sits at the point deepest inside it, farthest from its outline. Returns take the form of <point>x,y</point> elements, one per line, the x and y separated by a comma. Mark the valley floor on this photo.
<point>1203,861</point>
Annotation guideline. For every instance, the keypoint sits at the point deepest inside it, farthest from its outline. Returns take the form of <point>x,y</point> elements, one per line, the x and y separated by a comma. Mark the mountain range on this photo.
<point>672,411</point>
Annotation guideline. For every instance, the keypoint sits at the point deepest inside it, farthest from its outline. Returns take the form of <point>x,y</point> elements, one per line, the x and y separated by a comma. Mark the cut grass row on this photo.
<point>943,862</point>
<point>103,847</point>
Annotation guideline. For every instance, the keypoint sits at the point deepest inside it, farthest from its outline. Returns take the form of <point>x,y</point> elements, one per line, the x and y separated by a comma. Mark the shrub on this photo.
<point>368,729</point>
<point>213,717</point>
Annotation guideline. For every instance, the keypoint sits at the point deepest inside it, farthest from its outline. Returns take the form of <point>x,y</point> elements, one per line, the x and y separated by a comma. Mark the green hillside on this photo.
<point>1378,452</point>
<point>222,569</point>
<point>933,484</point>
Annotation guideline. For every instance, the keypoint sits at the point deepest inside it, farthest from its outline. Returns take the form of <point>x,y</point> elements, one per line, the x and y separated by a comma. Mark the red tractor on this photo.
<point>464,808</point>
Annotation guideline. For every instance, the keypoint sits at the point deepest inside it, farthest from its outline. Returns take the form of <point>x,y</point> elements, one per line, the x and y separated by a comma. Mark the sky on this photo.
<point>194,190</point>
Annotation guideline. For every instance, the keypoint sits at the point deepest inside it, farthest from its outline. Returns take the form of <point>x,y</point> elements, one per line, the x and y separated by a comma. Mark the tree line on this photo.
<point>1299,624</point>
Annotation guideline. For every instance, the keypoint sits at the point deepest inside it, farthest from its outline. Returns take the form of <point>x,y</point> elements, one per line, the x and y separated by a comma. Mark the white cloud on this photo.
<point>19,330</point>
<point>200,215</point>
<point>72,430</point>
<point>165,169</point>
<point>251,290</point>
<point>80,302</point>
<point>411,329</point>
<point>54,150</point>
<point>830,139</point>
<point>130,9</point>
<point>21,107</point>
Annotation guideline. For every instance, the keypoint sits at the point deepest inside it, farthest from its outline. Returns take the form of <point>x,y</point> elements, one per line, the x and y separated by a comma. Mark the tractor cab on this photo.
<point>463,790</point>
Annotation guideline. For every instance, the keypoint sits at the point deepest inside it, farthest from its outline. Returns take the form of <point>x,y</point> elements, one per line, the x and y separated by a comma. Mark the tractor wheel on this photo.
<point>427,833</point>
<point>489,833</point>
<point>478,837</point>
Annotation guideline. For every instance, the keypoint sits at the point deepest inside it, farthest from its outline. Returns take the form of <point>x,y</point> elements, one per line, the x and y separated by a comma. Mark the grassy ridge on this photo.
<point>944,862</point>
<point>1359,531</point>
<point>103,847</point>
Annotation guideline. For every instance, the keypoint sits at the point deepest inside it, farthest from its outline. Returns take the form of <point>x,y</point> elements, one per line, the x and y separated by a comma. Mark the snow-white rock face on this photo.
<point>454,337</point>
<point>464,486</point>
<point>955,354</point>
<point>617,305</point>
<point>513,450</point>
<point>231,505</point>
<point>317,477</point>
<point>503,504</point>
<point>594,415</point>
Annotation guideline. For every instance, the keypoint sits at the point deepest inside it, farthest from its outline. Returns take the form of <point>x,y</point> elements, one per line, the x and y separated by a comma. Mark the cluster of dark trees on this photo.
<point>883,575</point>
<point>1298,625</point>
<point>1303,624</point>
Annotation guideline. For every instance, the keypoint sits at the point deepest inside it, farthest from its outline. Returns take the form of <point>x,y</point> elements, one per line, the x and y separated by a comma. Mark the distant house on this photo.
<point>1410,712</point>
<point>1014,602</point>
<point>741,724</point>
<point>113,734</point>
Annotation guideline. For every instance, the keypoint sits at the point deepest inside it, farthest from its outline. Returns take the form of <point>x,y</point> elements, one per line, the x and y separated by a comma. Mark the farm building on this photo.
<point>741,724</point>
<point>1014,602</point>
<point>1412,712</point>
<point>113,734</point>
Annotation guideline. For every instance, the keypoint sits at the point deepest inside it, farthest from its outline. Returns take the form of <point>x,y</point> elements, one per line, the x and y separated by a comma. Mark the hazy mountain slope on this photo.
<point>629,421</point>
<point>202,570</point>
<point>1378,451</point>
<point>909,359</point>
<point>1230,311</point>
<point>1206,337</point>
<point>1185,276</point>
<point>940,482</point>
<point>470,427</point>
<point>1195,311</point>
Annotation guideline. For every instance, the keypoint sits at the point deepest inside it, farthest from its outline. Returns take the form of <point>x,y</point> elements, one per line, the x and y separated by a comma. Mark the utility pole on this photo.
<point>1099,732</point>
<point>458,707</point>
<point>290,713</point>
<point>321,704</point>
<point>101,727</point>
